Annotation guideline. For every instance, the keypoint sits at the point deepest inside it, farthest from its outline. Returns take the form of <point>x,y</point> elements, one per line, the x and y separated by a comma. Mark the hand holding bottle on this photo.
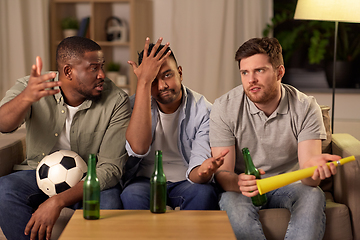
<point>247,184</point>
<point>250,169</point>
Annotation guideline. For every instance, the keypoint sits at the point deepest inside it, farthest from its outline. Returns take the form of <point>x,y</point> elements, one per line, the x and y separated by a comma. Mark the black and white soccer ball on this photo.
<point>60,171</point>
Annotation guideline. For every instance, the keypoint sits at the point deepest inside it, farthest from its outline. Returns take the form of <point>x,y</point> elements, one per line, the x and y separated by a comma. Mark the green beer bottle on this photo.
<point>158,193</point>
<point>258,200</point>
<point>91,191</point>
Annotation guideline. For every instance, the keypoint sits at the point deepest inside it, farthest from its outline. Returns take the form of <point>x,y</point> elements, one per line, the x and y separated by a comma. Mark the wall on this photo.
<point>347,110</point>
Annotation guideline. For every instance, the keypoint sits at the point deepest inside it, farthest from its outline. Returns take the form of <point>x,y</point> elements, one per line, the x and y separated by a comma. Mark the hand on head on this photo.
<point>38,85</point>
<point>150,65</point>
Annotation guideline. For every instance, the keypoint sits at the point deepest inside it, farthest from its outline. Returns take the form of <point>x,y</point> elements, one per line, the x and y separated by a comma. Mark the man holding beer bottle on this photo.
<point>281,127</point>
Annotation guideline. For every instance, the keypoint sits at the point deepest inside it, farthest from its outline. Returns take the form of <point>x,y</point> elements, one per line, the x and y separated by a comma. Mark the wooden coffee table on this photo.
<point>142,224</point>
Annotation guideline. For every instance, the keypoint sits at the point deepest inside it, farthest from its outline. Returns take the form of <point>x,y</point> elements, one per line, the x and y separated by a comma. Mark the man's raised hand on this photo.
<point>38,85</point>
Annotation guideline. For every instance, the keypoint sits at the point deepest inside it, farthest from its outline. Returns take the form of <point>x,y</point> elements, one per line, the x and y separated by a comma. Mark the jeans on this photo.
<point>306,205</point>
<point>20,197</point>
<point>183,194</point>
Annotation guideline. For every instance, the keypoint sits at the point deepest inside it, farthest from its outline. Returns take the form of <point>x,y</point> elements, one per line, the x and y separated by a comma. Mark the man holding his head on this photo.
<point>170,117</point>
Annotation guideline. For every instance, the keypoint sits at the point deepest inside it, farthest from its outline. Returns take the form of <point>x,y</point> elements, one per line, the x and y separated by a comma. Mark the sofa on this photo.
<point>342,191</point>
<point>12,153</point>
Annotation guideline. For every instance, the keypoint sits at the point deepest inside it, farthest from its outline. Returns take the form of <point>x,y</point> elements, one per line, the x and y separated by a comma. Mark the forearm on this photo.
<point>196,177</point>
<point>70,196</point>
<point>138,133</point>
<point>13,113</point>
<point>309,155</point>
<point>310,182</point>
<point>227,180</point>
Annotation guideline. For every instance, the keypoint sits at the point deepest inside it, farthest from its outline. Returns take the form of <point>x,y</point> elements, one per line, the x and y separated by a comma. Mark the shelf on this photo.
<point>136,14</point>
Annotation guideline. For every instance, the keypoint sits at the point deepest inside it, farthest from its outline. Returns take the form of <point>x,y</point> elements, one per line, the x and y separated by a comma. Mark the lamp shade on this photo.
<point>328,10</point>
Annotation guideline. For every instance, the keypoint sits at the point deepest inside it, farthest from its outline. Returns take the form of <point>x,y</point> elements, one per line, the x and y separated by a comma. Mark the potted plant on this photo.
<point>310,44</point>
<point>311,37</point>
<point>113,70</point>
<point>113,73</point>
<point>69,26</point>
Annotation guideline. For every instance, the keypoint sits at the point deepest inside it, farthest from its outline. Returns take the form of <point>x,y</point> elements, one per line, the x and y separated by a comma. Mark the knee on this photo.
<point>317,195</point>
<point>110,198</point>
<point>133,193</point>
<point>8,192</point>
<point>6,186</point>
<point>229,199</point>
<point>238,207</point>
<point>313,194</point>
<point>310,198</point>
<point>126,195</point>
<point>135,198</point>
<point>204,190</point>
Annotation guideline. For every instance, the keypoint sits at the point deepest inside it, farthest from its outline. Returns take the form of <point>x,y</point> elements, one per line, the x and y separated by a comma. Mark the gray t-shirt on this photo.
<point>272,141</point>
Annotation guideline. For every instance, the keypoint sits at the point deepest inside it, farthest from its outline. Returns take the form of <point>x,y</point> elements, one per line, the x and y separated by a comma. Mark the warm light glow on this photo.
<point>328,10</point>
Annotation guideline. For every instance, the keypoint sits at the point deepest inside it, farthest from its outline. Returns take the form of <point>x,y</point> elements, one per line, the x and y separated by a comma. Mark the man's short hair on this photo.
<point>268,46</point>
<point>151,45</point>
<point>74,48</point>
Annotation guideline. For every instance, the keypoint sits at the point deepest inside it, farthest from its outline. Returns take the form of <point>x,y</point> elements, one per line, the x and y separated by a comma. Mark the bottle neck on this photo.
<point>247,159</point>
<point>92,164</point>
<point>158,162</point>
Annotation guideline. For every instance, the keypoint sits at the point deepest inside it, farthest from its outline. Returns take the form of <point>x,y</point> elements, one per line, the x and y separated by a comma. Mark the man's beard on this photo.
<point>265,97</point>
<point>169,99</point>
<point>94,98</point>
<point>89,96</point>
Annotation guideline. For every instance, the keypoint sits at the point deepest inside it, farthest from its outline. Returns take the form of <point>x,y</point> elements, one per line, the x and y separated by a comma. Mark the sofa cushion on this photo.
<point>274,222</point>
<point>338,225</point>
<point>12,150</point>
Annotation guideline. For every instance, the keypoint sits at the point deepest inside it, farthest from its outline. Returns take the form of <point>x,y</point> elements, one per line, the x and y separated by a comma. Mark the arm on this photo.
<point>225,175</point>
<point>12,113</point>
<point>229,180</point>
<point>309,154</point>
<point>204,172</point>
<point>201,165</point>
<point>111,153</point>
<point>138,133</point>
<point>43,219</point>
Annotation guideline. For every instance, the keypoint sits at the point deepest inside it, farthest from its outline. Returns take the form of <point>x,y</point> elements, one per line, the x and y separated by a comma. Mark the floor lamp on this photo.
<point>329,10</point>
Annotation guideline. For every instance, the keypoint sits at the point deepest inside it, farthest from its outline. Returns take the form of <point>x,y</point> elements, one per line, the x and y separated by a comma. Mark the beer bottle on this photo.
<point>158,193</point>
<point>91,191</point>
<point>258,200</point>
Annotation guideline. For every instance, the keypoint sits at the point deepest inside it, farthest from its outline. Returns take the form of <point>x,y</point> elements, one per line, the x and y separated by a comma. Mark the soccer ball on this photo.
<point>60,171</point>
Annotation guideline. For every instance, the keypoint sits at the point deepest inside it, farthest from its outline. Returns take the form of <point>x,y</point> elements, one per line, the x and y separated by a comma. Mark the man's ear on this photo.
<point>180,72</point>
<point>67,69</point>
<point>280,72</point>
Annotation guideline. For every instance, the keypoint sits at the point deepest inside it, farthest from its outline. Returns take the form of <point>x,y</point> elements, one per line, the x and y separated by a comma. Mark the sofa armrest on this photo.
<point>12,150</point>
<point>347,180</point>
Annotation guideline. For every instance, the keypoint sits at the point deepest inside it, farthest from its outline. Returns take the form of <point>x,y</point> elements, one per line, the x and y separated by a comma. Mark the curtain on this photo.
<point>24,35</point>
<point>205,34</point>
